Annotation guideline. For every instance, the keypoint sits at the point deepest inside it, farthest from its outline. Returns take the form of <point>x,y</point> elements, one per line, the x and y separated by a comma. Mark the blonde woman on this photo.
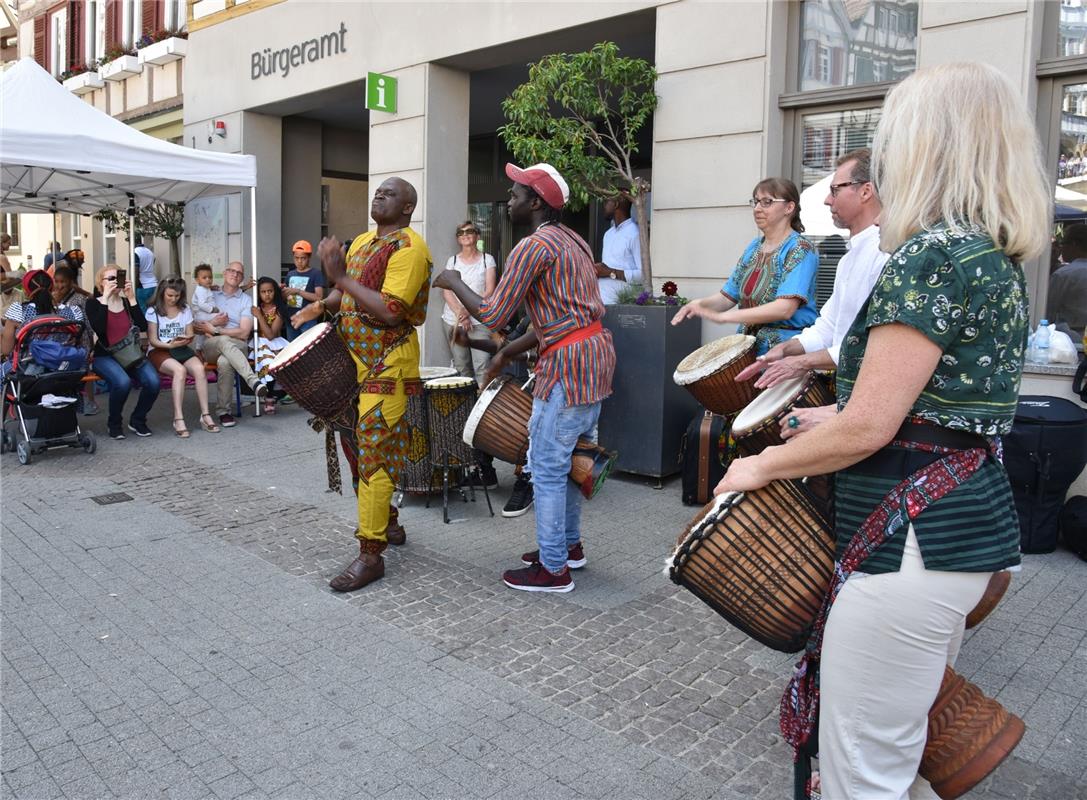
<point>928,376</point>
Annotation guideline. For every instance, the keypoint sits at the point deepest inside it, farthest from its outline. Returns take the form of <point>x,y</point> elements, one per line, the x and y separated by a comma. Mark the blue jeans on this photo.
<point>120,380</point>
<point>143,297</point>
<point>554,429</point>
<point>291,333</point>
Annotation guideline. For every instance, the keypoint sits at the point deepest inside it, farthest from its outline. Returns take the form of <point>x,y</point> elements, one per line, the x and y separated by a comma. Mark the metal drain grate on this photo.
<point>110,499</point>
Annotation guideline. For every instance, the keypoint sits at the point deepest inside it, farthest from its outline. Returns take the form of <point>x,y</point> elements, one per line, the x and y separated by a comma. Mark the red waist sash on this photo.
<point>575,336</point>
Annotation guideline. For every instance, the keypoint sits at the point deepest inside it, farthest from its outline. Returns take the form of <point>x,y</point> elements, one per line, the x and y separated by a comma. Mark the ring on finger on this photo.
<point>793,421</point>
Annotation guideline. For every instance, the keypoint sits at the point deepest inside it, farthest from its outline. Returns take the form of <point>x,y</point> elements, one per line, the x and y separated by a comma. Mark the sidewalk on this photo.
<point>184,643</point>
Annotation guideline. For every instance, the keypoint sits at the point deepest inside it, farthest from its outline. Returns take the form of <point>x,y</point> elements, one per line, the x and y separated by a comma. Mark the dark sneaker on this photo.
<point>521,499</point>
<point>575,557</point>
<point>485,477</point>
<point>537,579</point>
<point>116,432</point>
<point>227,421</point>
<point>139,428</point>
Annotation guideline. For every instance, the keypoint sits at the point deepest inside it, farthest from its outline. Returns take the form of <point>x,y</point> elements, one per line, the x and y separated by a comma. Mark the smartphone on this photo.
<point>121,279</point>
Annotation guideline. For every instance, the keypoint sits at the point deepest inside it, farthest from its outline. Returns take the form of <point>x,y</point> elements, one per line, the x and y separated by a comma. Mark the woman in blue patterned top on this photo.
<point>771,292</point>
<point>928,376</point>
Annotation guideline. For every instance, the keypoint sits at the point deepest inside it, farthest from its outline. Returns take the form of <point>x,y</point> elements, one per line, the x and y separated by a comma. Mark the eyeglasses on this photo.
<point>468,232</point>
<point>837,187</point>
<point>765,202</point>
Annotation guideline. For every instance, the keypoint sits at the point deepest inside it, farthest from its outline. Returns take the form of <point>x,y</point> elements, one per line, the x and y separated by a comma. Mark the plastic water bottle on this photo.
<point>1040,351</point>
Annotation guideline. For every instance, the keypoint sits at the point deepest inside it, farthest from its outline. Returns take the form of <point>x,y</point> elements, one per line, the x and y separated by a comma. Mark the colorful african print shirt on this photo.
<point>398,266</point>
<point>965,295</point>
<point>552,272</point>
<point>760,278</point>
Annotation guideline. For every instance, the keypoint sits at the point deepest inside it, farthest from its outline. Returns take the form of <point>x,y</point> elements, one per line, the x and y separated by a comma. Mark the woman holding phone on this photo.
<point>170,336</point>
<point>116,320</point>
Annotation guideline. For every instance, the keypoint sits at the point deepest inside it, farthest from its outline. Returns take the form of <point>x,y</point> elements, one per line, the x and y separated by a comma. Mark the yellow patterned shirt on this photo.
<point>397,266</point>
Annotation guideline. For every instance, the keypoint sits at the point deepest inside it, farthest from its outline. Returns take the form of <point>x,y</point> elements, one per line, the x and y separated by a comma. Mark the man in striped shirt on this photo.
<point>551,271</point>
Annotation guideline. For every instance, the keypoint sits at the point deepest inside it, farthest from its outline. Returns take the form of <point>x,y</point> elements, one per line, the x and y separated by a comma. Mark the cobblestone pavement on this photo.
<point>185,644</point>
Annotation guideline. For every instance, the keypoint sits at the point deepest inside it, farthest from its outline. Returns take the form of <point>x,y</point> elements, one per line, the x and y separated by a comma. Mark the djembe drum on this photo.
<point>417,475</point>
<point>762,560</point>
<point>449,402</point>
<point>709,373</point>
<point>758,425</point>
<point>317,370</point>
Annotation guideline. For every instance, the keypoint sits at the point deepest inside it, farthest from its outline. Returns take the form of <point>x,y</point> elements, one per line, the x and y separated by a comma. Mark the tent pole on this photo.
<point>253,261</point>
<point>53,244</point>
<point>132,266</point>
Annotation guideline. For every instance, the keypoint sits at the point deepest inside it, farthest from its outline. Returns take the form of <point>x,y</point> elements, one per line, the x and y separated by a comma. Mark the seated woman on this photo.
<point>38,288</point>
<point>771,292</point>
<point>113,316</point>
<point>170,336</point>
<point>271,317</point>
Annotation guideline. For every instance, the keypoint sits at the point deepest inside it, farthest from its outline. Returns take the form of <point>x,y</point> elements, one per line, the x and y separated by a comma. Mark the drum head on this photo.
<point>486,397</point>
<point>429,373</point>
<point>451,382</point>
<point>768,405</point>
<point>709,358</point>
<point>299,345</point>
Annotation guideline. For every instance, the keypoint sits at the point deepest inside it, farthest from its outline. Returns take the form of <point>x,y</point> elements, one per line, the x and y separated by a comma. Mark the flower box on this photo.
<point>120,68</point>
<point>163,51</point>
<point>647,414</point>
<point>84,82</point>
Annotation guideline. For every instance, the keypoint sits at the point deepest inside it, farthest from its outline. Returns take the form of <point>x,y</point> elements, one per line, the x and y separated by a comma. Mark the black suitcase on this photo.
<point>1073,521</point>
<point>1044,453</point>
<point>703,457</point>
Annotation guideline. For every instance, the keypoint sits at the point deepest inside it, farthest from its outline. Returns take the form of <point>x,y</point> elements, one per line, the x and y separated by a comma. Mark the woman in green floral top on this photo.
<point>929,374</point>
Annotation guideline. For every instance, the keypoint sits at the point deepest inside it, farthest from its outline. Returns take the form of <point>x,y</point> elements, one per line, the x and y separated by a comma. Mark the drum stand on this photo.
<point>466,472</point>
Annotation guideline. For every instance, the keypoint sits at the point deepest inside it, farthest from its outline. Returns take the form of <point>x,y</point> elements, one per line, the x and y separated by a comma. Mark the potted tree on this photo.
<point>582,112</point>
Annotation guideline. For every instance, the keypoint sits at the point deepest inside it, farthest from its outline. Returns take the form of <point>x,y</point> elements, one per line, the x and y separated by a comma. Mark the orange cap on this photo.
<point>302,245</point>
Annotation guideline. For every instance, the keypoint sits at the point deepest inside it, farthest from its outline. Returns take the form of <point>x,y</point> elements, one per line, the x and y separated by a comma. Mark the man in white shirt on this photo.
<point>855,205</point>
<point>145,263</point>
<point>621,256</point>
<point>227,342</point>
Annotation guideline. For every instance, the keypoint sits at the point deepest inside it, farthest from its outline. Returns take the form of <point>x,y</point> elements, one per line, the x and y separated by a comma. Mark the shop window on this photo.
<point>846,43</point>
<point>9,224</point>
<point>1064,290</point>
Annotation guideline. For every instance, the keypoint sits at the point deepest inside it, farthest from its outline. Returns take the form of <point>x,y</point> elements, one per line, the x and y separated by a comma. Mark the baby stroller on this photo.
<point>41,389</point>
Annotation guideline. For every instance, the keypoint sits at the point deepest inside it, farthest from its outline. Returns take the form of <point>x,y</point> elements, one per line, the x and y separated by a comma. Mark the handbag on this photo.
<point>127,352</point>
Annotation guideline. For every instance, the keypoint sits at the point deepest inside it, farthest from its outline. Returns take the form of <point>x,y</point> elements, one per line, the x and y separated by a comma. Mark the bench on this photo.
<point>209,367</point>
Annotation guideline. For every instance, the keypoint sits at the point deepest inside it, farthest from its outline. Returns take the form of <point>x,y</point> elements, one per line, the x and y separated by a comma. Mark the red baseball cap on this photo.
<point>544,179</point>
<point>32,275</point>
<point>302,245</point>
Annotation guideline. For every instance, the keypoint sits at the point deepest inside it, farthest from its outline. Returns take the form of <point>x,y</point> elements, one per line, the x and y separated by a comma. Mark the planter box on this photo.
<point>84,82</point>
<point>163,52</point>
<point>120,68</point>
<point>647,414</point>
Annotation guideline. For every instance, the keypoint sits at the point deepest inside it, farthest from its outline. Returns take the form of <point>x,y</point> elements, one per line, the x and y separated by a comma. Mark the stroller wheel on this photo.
<point>88,442</point>
<point>23,450</point>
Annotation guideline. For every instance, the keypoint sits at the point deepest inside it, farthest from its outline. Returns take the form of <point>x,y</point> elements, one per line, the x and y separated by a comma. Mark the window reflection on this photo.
<point>1067,296</point>
<point>851,42</point>
<point>1072,28</point>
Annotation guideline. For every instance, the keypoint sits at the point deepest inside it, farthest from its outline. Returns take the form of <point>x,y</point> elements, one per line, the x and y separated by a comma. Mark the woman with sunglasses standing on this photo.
<point>115,318</point>
<point>771,292</point>
<point>478,270</point>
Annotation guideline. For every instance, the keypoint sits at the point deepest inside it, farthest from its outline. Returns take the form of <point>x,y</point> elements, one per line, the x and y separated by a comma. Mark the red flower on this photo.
<point>670,289</point>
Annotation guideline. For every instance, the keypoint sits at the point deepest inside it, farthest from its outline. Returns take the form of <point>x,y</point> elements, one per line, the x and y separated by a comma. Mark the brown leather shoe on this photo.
<point>395,533</point>
<point>366,568</point>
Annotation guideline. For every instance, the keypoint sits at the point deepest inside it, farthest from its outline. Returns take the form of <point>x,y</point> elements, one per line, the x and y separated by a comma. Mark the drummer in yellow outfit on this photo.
<point>381,293</point>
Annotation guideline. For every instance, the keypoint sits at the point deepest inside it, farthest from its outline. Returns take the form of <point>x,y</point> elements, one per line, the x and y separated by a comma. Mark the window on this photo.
<point>175,15</point>
<point>826,135</point>
<point>58,42</point>
<point>9,224</point>
<point>846,43</point>
<point>94,28</point>
<point>1067,288</point>
<point>109,244</point>
<point>76,231</point>
<point>1072,28</point>
<point>131,22</point>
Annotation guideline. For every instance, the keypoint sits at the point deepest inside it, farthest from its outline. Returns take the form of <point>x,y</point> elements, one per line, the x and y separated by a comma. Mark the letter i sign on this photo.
<point>380,92</point>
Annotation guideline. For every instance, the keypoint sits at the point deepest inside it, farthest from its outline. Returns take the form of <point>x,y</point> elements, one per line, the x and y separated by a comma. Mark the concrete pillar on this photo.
<point>301,200</point>
<point>426,144</point>
<point>262,137</point>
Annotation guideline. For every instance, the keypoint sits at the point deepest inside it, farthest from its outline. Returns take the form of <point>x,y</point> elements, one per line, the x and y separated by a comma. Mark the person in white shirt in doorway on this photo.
<point>854,205</point>
<point>621,256</point>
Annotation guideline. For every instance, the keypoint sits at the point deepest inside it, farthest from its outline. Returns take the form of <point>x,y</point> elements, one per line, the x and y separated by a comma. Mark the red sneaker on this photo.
<point>538,579</point>
<point>575,558</point>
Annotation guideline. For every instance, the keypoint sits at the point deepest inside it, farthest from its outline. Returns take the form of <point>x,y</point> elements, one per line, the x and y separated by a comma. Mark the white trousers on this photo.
<point>886,643</point>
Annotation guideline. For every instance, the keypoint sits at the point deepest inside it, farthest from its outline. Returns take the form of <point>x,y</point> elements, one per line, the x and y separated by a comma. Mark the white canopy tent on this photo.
<point>60,154</point>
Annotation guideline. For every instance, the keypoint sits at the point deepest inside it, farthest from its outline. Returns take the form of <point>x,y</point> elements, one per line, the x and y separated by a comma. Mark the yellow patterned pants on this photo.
<point>381,438</point>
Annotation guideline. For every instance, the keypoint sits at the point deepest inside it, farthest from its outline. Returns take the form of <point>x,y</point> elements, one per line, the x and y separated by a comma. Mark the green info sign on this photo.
<point>380,92</point>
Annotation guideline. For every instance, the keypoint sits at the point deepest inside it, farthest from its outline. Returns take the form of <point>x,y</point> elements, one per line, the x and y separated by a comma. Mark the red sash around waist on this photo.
<point>575,336</point>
